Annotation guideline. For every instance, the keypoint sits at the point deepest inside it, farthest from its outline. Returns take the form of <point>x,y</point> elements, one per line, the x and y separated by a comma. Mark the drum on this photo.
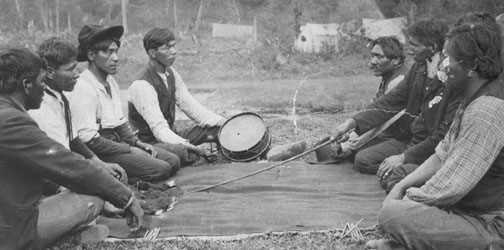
<point>244,137</point>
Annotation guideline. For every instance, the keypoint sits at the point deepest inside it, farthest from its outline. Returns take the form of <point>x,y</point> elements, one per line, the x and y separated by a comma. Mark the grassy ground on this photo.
<point>309,240</point>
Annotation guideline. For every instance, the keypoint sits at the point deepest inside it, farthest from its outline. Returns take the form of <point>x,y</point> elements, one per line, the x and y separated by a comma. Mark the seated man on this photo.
<point>454,200</point>
<point>392,171</point>
<point>53,116</point>
<point>387,62</point>
<point>97,115</point>
<point>155,94</point>
<point>28,157</point>
<point>429,109</point>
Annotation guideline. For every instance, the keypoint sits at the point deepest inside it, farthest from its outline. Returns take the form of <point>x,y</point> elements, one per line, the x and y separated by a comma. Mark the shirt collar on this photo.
<point>53,93</point>
<point>90,77</point>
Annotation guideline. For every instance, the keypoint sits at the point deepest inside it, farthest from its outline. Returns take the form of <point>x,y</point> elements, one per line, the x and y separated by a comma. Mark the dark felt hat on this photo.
<point>91,34</point>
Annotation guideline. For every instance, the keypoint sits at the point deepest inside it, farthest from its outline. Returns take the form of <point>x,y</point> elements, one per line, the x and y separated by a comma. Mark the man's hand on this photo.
<point>194,148</point>
<point>117,171</point>
<point>134,215</point>
<point>397,193</point>
<point>147,148</point>
<point>388,165</point>
<point>344,127</point>
<point>111,168</point>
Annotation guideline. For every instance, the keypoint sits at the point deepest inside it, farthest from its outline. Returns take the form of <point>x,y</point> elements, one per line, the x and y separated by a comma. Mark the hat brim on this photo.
<point>113,32</point>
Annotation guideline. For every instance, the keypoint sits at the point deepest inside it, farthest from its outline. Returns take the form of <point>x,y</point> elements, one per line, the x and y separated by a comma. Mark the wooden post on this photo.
<point>237,11</point>
<point>124,10</point>
<point>69,22</point>
<point>20,13</point>
<point>57,16</point>
<point>50,18</point>
<point>175,14</point>
<point>255,29</point>
<point>198,16</point>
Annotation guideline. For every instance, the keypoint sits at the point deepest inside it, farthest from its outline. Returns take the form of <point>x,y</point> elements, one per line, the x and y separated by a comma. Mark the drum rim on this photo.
<point>234,116</point>
<point>266,147</point>
<point>224,151</point>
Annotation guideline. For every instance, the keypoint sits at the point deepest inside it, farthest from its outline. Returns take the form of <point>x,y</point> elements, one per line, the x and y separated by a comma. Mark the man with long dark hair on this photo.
<point>455,199</point>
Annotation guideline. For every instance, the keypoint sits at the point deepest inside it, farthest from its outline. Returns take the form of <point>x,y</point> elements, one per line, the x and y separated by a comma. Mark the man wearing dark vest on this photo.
<point>155,94</point>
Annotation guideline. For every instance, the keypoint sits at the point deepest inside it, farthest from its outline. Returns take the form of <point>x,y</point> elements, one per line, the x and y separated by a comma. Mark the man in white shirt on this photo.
<point>155,94</point>
<point>97,111</point>
<point>53,117</point>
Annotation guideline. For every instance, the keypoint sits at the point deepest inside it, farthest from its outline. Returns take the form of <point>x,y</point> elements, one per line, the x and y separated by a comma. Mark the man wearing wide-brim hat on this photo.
<point>97,114</point>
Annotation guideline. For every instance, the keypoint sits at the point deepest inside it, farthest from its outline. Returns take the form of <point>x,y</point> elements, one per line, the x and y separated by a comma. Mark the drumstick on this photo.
<point>331,140</point>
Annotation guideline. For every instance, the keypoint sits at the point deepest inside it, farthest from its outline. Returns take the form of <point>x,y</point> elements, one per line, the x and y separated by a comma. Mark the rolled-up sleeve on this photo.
<point>191,107</point>
<point>468,157</point>
<point>144,97</point>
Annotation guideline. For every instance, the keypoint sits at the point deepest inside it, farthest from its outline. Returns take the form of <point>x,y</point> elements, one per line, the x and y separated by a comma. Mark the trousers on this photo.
<point>64,212</point>
<point>368,159</point>
<point>418,226</point>
<point>140,165</point>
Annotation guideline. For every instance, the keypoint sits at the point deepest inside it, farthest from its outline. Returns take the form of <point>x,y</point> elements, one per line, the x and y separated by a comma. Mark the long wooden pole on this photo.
<point>331,140</point>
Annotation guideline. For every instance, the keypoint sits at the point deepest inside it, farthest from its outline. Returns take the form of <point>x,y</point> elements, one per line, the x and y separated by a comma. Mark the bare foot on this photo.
<point>383,244</point>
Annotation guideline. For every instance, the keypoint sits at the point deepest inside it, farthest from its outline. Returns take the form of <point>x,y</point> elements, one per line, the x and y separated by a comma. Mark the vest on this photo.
<point>166,99</point>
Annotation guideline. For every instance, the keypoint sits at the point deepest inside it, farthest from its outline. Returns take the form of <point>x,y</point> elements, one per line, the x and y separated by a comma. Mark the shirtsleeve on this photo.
<point>467,159</point>
<point>191,107</point>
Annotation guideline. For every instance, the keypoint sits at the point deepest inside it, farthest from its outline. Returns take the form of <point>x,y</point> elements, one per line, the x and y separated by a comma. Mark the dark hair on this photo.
<point>15,65</point>
<point>103,45</point>
<point>429,32</point>
<point>478,48</point>
<point>56,52</point>
<point>157,37</point>
<point>483,18</point>
<point>392,48</point>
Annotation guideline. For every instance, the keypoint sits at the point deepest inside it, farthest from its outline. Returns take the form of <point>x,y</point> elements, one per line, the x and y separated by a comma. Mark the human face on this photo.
<point>455,75</point>
<point>64,77</point>
<point>34,90</point>
<point>107,60</point>
<point>166,54</point>
<point>379,63</point>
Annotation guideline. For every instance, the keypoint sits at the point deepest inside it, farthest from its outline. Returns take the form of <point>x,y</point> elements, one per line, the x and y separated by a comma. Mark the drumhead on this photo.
<point>242,132</point>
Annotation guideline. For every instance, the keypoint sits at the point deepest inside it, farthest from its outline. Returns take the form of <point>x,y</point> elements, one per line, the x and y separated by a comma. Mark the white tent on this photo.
<point>313,37</point>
